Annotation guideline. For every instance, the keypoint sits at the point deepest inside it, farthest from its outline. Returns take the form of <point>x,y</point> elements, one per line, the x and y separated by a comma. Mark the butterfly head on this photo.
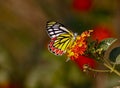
<point>75,35</point>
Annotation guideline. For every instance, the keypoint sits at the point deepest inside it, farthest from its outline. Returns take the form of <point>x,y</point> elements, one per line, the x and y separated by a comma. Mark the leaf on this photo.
<point>105,44</point>
<point>118,59</point>
<point>114,54</point>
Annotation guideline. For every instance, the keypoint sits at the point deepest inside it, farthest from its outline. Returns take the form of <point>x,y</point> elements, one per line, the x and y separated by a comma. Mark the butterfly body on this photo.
<point>61,38</point>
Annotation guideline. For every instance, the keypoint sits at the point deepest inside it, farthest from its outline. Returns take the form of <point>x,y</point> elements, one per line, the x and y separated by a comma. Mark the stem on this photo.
<point>107,62</point>
<point>91,69</point>
<point>109,66</point>
<point>112,69</point>
<point>114,65</point>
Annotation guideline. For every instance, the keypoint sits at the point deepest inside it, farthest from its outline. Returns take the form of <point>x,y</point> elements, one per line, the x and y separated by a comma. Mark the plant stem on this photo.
<point>112,69</point>
<point>106,61</point>
<point>95,70</point>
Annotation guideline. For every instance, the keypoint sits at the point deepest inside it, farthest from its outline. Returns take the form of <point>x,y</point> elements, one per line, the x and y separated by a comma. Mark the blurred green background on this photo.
<point>25,61</point>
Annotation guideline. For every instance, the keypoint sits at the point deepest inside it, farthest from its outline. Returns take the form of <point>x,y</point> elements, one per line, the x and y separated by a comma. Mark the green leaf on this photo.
<point>114,55</point>
<point>118,59</point>
<point>105,44</point>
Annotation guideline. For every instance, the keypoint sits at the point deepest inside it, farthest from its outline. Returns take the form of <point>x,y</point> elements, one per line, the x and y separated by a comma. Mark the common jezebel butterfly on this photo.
<point>61,38</point>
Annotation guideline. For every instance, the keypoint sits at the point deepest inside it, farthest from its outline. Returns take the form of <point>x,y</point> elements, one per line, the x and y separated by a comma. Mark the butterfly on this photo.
<point>61,38</point>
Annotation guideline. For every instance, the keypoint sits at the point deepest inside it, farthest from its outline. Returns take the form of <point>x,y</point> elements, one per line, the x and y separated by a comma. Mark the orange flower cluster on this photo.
<point>79,46</point>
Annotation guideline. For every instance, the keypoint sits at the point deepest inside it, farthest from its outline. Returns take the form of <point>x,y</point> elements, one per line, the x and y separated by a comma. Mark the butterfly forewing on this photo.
<point>54,29</point>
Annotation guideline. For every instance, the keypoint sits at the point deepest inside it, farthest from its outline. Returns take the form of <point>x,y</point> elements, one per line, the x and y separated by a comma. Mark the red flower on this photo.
<point>101,32</point>
<point>77,51</point>
<point>82,5</point>
<point>81,61</point>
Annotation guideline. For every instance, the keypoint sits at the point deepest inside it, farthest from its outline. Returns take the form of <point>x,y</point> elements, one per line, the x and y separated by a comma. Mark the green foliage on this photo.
<point>92,50</point>
<point>97,50</point>
<point>115,55</point>
<point>105,44</point>
<point>118,59</point>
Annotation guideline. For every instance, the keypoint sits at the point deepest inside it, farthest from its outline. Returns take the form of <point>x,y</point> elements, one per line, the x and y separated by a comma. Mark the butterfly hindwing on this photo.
<point>53,49</point>
<point>63,41</point>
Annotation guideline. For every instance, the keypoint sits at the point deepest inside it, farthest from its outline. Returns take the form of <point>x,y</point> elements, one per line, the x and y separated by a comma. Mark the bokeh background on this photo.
<point>25,61</point>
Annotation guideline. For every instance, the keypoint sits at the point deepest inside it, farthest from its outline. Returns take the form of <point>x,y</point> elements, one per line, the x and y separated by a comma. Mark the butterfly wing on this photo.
<point>61,38</point>
<point>63,41</point>
<point>54,29</point>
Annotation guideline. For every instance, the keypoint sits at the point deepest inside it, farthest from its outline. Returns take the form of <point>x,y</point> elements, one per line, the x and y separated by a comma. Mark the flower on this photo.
<point>82,5</point>
<point>79,46</point>
<point>101,32</point>
<point>77,51</point>
<point>81,61</point>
